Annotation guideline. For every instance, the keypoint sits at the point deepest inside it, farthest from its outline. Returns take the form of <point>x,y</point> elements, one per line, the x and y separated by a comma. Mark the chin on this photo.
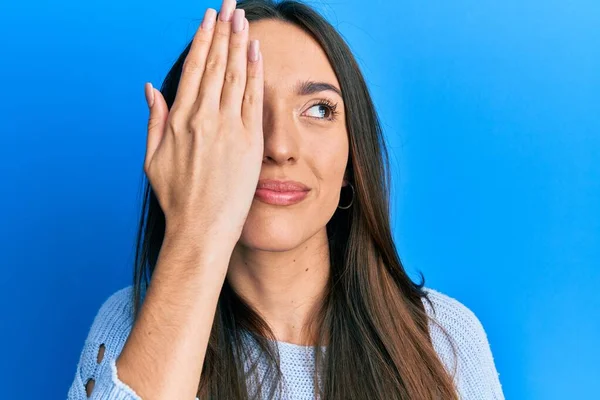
<point>273,230</point>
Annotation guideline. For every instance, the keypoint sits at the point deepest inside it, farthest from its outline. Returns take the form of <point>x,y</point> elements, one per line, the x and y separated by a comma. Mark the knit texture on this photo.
<point>476,377</point>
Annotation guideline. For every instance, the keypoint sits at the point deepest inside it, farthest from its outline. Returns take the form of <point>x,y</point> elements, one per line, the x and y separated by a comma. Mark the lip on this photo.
<point>282,186</point>
<point>283,193</point>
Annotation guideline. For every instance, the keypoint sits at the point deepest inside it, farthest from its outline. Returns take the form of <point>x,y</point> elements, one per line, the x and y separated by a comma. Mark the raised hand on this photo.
<point>203,157</point>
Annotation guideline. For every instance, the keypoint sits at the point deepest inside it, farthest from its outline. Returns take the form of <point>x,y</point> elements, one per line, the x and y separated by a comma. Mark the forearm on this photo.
<point>164,353</point>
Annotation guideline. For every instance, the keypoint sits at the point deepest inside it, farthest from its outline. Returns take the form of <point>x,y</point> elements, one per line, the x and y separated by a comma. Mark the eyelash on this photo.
<point>332,109</point>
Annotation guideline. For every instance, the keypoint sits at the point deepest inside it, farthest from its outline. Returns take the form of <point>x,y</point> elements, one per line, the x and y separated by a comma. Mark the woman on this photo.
<point>265,265</point>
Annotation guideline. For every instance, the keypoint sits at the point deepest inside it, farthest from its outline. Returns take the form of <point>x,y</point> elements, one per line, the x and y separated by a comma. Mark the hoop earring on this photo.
<point>351,201</point>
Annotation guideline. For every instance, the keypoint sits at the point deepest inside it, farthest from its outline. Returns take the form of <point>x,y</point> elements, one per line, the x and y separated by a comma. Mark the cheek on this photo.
<point>329,160</point>
<point>331,175</point>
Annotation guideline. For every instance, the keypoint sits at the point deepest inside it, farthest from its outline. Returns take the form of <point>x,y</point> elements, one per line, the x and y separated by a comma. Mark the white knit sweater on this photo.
<point>476,376</point>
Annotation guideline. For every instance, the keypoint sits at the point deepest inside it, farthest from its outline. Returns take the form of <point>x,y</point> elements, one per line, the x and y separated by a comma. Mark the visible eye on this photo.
<point>324,106</point>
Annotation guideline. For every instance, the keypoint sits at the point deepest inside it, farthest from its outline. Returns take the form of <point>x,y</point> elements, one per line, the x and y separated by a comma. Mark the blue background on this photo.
<point>492,113</point>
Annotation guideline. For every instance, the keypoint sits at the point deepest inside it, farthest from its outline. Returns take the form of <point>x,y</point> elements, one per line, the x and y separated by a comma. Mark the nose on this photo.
<point>281,137</point>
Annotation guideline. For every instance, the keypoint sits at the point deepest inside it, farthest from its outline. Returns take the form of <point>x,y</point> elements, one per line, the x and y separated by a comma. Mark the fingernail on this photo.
<point>209,19</point>
<point>149,92</point>
<point>227,10</point>
<point>238,20</point>
<point>254,48</point>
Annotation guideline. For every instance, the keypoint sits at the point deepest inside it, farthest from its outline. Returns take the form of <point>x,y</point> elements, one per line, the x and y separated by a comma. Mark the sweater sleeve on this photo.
<point>472,365</point>
<point>110,329</point>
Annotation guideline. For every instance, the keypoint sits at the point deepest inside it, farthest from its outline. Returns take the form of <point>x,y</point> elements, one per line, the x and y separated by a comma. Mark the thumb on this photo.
<point>156,121</point>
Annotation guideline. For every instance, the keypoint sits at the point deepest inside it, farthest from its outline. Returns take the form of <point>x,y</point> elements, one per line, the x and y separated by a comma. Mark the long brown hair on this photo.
<point>371,316</point>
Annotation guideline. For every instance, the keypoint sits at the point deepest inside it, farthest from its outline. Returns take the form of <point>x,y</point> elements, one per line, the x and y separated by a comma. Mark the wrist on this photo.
<point>196,244</point>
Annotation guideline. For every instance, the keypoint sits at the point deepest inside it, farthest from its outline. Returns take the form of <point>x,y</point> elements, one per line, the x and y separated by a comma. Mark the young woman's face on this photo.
<point>303,141</point>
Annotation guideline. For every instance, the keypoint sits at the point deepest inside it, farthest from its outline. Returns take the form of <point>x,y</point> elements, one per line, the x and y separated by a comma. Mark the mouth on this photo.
<point>281,193</point>
<point>280,198</point>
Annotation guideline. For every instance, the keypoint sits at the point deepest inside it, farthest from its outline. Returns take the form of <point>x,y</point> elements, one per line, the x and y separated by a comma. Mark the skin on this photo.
<point>204,157</point>
<point>281,262</point>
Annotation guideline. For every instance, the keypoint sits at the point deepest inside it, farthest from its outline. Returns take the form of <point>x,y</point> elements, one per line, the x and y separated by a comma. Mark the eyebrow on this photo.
<point>305,88</point>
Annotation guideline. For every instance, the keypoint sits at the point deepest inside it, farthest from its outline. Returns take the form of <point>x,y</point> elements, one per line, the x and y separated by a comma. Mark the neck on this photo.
<point>285,287</point>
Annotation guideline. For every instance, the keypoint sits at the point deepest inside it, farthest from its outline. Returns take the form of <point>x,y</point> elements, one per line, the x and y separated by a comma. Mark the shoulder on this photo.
<point>454,316</point>
<point>461,342</point>
<point>113,321</point>
<point>104,342</point>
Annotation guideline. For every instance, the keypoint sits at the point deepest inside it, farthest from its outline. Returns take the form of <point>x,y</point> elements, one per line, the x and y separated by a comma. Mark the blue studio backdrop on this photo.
<point>491,111</point>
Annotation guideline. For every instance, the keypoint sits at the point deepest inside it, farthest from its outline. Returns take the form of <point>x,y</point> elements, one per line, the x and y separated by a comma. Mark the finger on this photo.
<point>211,85</point>
<point>193,66</point>
<point>237,63</point>
<point>156,121</point>
<point>252,105</point>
